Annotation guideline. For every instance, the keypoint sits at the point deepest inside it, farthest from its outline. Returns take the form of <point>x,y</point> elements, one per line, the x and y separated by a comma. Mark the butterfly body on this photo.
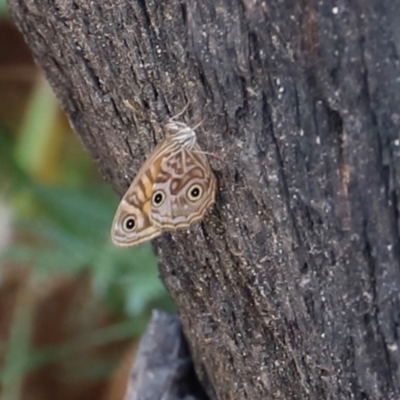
<point>173,189</point>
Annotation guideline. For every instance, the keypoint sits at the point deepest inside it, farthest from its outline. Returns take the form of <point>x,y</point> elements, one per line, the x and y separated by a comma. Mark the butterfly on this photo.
<point>173,189</point>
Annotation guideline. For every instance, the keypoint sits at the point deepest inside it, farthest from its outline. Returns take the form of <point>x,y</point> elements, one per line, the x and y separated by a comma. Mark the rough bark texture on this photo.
<point>289,289</point>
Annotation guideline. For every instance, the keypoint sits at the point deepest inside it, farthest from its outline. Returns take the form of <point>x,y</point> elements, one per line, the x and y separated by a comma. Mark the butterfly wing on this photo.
<point>187,186</point>
<point>132,224</point>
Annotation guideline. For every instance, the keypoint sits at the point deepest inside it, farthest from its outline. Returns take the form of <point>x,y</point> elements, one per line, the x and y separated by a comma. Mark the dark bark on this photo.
<point>289,289</point>
<point>163,368</point>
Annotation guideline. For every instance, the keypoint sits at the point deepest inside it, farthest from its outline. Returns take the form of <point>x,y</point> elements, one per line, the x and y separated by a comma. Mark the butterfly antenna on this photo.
<point>140,114</point>
<point>130,106</point>
<point>207,154</point>
<point>199,124</point>
<point>181,112</point>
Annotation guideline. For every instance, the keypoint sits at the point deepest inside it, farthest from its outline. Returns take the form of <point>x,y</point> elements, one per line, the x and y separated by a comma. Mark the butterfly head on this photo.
<point>181,133</point>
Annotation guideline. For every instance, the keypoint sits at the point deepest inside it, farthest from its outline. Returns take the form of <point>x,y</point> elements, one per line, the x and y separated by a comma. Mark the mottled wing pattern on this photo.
<point>177,175</point>
<point>136,202</point>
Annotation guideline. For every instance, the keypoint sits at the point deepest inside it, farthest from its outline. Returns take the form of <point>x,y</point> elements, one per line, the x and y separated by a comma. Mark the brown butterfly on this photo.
<point>173,189</point>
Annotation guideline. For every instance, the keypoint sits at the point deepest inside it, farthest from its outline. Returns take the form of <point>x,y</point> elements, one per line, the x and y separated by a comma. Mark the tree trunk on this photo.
<point>289,289</point>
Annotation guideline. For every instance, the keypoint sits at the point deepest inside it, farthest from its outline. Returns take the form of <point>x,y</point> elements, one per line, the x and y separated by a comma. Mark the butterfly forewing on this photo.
<point>136,202</point>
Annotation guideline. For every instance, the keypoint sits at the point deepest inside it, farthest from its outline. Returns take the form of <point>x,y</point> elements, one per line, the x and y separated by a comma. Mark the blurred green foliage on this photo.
<point>3,9</point>
<point>64,227</point>
<point>71,226</point>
